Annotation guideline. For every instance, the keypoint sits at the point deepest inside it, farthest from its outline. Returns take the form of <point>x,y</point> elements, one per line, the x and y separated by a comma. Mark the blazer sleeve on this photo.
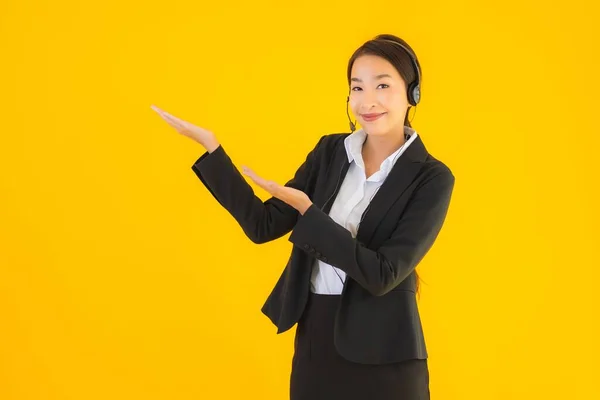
<point>260,221</point>
<point>381,270</point>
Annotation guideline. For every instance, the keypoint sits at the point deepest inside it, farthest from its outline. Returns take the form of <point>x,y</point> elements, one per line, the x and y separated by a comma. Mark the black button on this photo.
<point>311,250</point>
<point>324,259</point>
<point>318,254</point>
<point>306,246</point>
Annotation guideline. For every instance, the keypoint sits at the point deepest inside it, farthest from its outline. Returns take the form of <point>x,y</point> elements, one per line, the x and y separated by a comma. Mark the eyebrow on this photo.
<point>377,77</point>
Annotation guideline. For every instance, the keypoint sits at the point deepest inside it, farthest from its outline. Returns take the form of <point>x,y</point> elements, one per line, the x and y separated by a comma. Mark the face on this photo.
<point>376,87</point>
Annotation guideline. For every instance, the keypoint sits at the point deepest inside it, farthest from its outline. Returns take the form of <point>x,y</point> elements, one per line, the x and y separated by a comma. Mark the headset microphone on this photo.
<point>352,125</point>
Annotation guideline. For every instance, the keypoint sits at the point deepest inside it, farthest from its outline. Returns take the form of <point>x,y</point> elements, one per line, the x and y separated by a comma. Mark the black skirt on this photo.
<point>319,372</point>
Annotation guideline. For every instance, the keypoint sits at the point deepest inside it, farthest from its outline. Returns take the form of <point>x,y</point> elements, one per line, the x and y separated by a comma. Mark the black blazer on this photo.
<point>377,321</point>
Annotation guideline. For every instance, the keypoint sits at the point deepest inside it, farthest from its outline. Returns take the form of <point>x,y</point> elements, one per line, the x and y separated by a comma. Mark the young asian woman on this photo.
<point>363,210</point>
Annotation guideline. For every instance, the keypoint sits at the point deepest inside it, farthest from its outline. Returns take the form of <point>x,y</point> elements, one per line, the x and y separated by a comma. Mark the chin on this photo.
<point>376,130</point>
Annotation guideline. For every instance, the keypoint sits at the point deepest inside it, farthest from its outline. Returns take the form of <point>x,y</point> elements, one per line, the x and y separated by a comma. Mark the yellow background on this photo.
<point>122,278</point>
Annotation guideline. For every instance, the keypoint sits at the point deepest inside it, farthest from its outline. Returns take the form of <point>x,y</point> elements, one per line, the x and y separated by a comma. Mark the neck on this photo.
<point>378,148</point>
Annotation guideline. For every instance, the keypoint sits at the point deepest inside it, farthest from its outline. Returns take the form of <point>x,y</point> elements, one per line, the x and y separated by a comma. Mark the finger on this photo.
<point>174,118</point>
<point>168,117</point>
<point>161,113</point>
<point>157,110</point>
<point>171,122</point>
<point>174,122</point>
<point>247,171</point>
<point>269,186</point>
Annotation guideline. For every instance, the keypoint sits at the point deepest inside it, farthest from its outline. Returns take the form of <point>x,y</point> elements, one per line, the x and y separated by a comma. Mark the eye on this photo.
<point>358,87</point>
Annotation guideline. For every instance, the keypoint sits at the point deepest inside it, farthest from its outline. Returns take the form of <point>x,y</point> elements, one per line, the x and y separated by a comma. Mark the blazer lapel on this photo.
<point>336,173</point>
<point>401,175</point>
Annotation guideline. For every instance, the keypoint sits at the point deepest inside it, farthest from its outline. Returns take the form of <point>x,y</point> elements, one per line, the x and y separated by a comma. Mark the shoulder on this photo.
<point>435,172</point>
<point>331,139</point>
<point>432,169</point>
<point>329,142</point>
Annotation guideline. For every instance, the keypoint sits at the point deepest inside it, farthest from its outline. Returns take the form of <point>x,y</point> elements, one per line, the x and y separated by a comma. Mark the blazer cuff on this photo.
<point>207,160</point>
<point>318,234</point>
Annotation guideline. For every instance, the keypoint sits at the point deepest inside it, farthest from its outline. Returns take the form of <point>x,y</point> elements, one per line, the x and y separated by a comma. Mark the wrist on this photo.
<point>305,207</point>
<point>211,144</point>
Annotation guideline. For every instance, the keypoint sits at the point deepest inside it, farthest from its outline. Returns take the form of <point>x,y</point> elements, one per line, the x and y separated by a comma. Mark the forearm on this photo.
<point>260,221</point>
<point>380,270</point>
<point>318,234</point>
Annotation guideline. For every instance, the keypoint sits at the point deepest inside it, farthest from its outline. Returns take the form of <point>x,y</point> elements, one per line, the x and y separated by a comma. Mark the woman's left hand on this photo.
<point>294,197</point>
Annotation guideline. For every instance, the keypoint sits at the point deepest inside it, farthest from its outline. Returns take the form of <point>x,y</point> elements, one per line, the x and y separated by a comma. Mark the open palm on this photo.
<point>294,197</point>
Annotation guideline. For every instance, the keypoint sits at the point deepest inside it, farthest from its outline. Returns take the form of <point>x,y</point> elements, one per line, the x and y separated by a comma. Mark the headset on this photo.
<point>413,90</point>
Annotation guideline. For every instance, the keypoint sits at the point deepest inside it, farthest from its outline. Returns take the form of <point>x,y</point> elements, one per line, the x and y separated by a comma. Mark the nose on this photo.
<point>369,101</point>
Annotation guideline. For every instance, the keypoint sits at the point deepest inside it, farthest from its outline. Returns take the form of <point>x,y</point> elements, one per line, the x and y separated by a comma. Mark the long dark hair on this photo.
<point>398,57</point>
<point>394,54</point>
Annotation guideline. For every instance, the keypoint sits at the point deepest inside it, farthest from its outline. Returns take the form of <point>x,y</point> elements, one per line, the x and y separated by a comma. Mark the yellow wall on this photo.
<point>122,278</point>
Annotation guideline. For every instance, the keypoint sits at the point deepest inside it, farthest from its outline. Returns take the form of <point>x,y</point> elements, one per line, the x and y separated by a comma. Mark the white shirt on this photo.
<point>351,201</point>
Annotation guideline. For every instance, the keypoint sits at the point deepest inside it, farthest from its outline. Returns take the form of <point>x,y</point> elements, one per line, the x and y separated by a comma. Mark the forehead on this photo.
<point>369,66</point>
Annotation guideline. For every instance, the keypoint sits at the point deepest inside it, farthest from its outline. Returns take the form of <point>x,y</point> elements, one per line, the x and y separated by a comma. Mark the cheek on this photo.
<point>391,100</point>
<point>354,106</point>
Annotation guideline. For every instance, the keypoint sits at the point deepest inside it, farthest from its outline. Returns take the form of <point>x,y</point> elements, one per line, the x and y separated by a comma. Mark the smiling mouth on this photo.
<point>372,117</point>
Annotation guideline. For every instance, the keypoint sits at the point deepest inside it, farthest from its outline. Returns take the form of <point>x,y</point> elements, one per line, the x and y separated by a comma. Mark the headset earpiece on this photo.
<point>414,93</point>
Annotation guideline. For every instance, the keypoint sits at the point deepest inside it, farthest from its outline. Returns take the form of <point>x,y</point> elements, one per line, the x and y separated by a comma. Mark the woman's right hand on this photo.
<point>203,136</point>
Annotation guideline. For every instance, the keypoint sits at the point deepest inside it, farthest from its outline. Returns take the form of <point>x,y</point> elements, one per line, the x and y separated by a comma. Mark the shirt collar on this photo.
<point>354,142</point>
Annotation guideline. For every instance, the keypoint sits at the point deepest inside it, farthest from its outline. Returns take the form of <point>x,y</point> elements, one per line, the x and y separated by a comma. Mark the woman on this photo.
<point>364,209</point>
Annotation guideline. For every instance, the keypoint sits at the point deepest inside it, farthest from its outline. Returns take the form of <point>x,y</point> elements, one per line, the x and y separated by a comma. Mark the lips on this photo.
<point>371,117</point>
